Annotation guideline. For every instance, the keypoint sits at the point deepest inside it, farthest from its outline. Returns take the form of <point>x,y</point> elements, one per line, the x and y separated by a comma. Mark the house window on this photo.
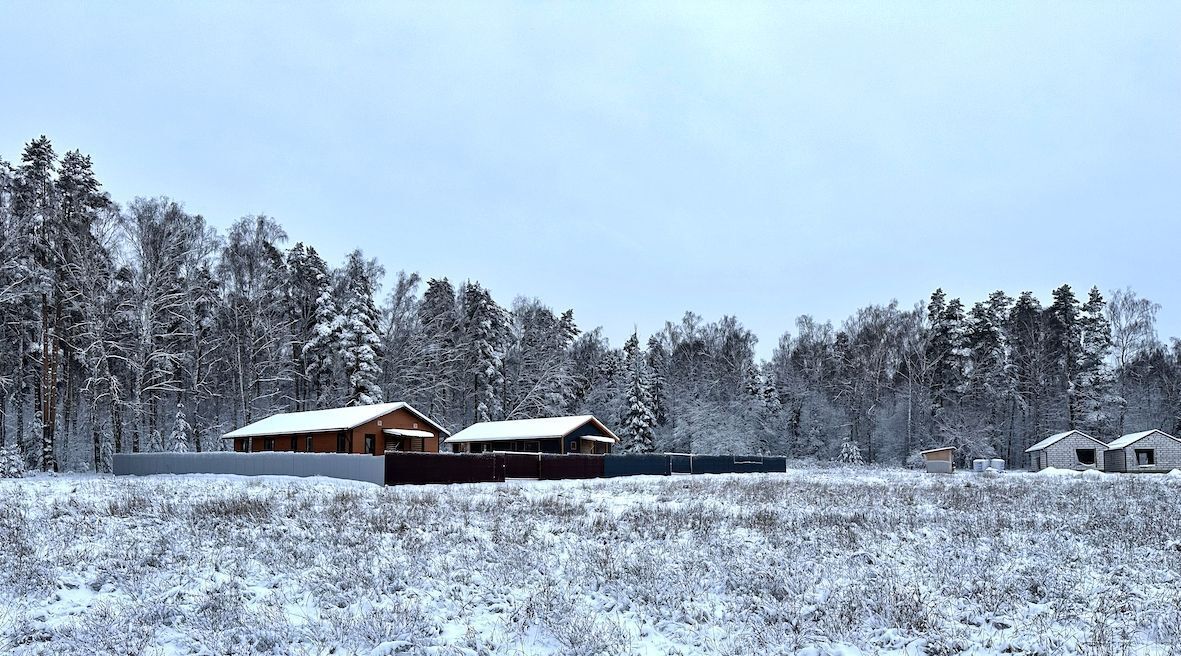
<point>371,444</point>
<point>342,443</point>
<point>1145,457</point>
<point>1085,456</point>
<point>308,446</point>
<point>268,444</point>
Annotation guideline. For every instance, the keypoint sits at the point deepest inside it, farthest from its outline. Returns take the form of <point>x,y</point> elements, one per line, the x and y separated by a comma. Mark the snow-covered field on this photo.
<point>812,561</point>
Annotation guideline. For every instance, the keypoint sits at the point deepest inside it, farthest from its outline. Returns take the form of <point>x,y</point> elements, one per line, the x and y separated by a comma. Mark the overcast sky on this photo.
<point>634,161</point>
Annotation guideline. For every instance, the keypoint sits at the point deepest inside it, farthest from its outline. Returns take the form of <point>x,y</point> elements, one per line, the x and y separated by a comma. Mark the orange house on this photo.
<point>373,429</point>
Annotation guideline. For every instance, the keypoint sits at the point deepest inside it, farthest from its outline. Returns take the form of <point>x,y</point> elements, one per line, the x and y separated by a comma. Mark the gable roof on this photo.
<point>1058,437</point>
<point>1132,438</point>
<point>322,421</point>
<point>527,429</point>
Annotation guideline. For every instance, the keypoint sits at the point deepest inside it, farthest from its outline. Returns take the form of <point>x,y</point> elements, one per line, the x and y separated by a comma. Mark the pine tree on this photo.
<point>178,441</point>
<point>36,206</point>
<point>1094,379</point>
<point>1064,342</point>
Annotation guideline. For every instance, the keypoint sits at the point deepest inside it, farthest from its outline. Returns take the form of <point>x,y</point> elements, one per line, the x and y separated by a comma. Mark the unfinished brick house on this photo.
<point>1146,451</point>
<point>1068,450</point>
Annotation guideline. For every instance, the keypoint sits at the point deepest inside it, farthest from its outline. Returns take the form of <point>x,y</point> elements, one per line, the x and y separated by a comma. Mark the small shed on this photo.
<point>578,434</point>
<point>373,429</point>
<point>939,460</point>
<point>1071,449</point>
<point>1146,451</point>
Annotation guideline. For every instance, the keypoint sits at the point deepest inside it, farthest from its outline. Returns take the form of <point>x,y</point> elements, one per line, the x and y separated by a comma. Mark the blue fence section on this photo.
<point>652,464</point>
<point>737,464</point>
<point>336,465</point>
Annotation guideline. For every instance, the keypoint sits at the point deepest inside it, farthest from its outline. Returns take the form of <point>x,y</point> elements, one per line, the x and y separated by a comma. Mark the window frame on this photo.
<point>1150,460</point>
<point>1094,457</point>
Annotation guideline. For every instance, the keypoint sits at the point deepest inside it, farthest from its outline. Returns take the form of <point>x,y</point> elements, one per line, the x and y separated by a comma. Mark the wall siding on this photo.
<point>325,442</point>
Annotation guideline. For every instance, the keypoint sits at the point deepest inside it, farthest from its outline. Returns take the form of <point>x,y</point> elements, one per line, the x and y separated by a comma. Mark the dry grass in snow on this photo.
<point>814,561</point>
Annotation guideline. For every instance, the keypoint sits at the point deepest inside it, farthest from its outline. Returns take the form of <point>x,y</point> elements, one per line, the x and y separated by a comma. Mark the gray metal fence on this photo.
<point>354,467</point>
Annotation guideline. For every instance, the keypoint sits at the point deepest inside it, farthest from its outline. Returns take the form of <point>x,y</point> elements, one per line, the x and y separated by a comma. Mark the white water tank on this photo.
<point>997,464</point>
<point>979,465</point>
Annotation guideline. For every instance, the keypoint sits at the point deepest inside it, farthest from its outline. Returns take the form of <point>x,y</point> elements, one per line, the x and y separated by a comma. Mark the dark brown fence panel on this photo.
<point>571,465</point>
<point>522,465</point>
<point>420,468</point>
<point>680,463</point>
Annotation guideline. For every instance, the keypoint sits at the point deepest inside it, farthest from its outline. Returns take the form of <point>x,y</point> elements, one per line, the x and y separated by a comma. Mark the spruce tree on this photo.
<point>657,360</point>
<point>360,343</point>
<point>438,361</point>
<point>178,441</point>
<point>850,453</point>
<point>484,330</point>
<point>320,349</point>
<point>638,418</point>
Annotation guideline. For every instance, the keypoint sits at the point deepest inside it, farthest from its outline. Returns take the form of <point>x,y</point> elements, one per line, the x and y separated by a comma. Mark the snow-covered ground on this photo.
<point>814,561</point>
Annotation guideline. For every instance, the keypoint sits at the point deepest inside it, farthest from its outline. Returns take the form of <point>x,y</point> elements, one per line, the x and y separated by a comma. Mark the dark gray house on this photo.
<point>581,434</point>
<point>1069,450</point>
<point>1146,451</point>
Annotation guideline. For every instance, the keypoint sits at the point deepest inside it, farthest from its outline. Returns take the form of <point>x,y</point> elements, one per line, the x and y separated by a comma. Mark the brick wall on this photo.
<point>1061,454</point>
<point>1166,449</point>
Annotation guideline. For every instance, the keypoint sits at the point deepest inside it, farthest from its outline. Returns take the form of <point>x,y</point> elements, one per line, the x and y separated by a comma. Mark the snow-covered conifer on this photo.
<point>850,453</point>
<point>360,343</point>
<point>178,441</point>
<point>12,465</point>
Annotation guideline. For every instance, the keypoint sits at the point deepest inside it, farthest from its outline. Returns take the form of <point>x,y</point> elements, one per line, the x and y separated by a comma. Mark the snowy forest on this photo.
<point>139,327</point>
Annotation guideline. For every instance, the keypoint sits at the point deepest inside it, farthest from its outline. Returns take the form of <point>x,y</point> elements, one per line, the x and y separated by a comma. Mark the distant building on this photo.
<point>1146,451</point>
<point>939,460</point>
<point>581,434</point>
<point>1069,450</point>
<point>373,429</point>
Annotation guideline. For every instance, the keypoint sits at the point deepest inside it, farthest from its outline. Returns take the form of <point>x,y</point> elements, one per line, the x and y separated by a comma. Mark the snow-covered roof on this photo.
<point>1057,437</point>
<point>528,429</point>
<point>937,449</point>
<point>1132,438</point>
<point>405,432</point>
<point>319,421</point>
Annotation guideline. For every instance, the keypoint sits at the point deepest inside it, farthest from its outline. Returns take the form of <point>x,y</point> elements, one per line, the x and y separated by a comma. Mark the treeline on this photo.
<point>140,327</point>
